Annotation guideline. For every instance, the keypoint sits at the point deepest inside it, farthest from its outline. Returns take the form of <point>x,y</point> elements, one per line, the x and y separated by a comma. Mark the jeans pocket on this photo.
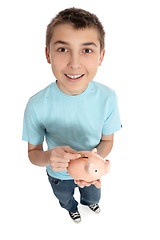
<point>54,181</point>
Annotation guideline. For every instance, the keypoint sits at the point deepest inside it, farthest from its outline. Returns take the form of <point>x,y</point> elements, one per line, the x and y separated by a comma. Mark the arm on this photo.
<point>57,157</point>
<point>105,145</point>
<point>37,156</point>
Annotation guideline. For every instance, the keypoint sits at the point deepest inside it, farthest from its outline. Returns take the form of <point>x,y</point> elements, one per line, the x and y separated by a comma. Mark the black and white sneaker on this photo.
<point>75,216</point>
<point>95,208</point>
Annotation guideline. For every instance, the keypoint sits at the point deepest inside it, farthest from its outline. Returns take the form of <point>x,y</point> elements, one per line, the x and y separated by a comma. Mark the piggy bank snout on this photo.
<point>91,168</point>
<point>95,170</point>
<point>98,169</point>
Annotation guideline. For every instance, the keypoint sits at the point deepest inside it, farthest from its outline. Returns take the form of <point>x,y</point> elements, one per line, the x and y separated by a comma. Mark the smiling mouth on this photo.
<point>74,77</point>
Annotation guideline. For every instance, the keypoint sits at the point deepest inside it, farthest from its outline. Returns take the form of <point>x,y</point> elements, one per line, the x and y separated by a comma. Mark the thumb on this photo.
<point>72,156</point>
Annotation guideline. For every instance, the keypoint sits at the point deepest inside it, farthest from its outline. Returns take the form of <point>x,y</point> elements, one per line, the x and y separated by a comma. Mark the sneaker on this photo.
<point>75,216</point>
<point>95,208</point>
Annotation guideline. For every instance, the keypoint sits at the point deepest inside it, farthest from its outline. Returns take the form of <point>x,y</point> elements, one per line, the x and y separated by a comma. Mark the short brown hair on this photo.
<point>80,19</point>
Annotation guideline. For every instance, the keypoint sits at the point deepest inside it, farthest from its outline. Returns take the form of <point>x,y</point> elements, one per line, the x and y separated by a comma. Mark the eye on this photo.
<point>96,170</point>
<point>87,50</point>
<point>62,50</point>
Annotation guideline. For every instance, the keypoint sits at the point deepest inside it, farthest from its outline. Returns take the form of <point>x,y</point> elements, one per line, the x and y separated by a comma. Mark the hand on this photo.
<point>82,183</point>
<point>97,183</point>
<point>59,157</point>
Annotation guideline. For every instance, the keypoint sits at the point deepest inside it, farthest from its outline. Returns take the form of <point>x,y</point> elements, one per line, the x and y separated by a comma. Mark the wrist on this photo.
<point>47,157</point>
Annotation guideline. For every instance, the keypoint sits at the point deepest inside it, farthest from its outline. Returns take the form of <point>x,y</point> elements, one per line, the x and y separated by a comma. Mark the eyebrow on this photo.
<point>83,44</point>
<point>61,42</point>
<point>89,44</point>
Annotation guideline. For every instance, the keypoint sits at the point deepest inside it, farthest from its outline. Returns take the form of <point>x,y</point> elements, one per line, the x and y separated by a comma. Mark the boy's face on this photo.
<point>74,56</point>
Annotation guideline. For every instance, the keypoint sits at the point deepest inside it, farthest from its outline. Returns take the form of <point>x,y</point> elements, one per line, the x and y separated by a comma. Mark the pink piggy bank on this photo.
<point>89,167</point>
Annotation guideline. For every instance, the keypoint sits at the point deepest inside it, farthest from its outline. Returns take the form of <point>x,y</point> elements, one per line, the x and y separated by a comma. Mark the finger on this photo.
<point>69,149</point>
<point>59,166</point>
<point>70,156</point>
<point>84,183</point>
<point>87,184</point>
<point>71,153</point>
<point>81,185</point>
<point>97,185</point>
<point>60,160</point>
<point>95,181</point>
<point>78,182</point>
<point>55,169</point>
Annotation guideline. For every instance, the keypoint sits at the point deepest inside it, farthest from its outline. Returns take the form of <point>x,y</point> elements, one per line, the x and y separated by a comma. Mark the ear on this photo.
<point>107,161</point>
<point>47,55</point>
<point>101,57</point>
<point>94,150</point>
<point>108,165</point>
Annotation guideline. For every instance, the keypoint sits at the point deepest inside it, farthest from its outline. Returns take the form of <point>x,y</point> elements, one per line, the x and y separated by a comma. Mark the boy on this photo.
<point>74,113</point>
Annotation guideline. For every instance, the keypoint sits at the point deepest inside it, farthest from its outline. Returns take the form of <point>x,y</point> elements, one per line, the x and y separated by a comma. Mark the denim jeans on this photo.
<point>64,191</point>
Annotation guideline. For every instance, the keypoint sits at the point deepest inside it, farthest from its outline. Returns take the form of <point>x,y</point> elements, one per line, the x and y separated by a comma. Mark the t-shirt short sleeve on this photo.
<point>33,131</point>
<point>112,122</point>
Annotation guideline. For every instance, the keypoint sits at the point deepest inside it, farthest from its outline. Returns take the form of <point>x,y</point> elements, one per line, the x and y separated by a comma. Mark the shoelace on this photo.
<point>75,215</point>
<point>94,207</point>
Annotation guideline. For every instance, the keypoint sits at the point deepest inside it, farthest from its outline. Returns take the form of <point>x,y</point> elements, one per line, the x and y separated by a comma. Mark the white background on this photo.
<point>130,194</point>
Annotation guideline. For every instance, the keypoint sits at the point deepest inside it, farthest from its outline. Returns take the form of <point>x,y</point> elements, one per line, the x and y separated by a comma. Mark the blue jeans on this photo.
<point>64,191</point>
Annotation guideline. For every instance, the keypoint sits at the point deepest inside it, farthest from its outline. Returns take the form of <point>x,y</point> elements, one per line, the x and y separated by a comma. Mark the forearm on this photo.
<point>57,157</point>
<point>104,148</point>
<point>39,158</point>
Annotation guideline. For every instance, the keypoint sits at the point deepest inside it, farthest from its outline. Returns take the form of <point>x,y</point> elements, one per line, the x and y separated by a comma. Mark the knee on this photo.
<point>90,195</point>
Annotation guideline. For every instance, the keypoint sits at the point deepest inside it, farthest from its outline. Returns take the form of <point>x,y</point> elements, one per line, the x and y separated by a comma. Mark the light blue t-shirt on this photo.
<point>77,121</point>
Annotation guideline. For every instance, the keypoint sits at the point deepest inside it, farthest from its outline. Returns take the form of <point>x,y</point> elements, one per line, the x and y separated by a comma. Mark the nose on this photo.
<point>74,61</point>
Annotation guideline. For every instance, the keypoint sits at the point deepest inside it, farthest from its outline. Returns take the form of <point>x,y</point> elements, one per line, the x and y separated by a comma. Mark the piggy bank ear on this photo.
<point>108,164</point>
<point>107,161</point>
<point>94,150</point>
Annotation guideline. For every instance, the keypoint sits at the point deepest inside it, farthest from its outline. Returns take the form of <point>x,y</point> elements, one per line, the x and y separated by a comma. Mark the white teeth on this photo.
<point>74,76</point>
